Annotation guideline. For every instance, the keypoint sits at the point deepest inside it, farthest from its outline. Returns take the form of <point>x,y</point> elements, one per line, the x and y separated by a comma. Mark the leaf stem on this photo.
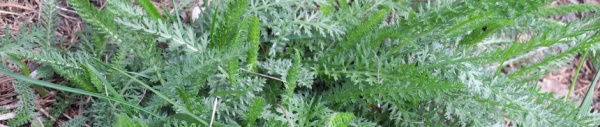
<point>576,75</point>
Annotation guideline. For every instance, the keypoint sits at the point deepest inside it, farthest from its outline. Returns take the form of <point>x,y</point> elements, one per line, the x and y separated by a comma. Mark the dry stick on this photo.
<point>17,6</point>
<point>6,12</point>
<point>42,8</point>
<point>64,9</point>
<point>143,95</point>
<point>68,117</point>
<point>102,7</point>
<point>8,116</point>
<point>271,77</point>
<point>39,10</point>
<point>47,114</point>
<point>286,116</point>
<point>106,91</point>
<point>212,119</point>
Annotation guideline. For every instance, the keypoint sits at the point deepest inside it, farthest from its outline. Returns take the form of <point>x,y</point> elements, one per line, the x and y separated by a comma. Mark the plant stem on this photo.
<point>576,76</point>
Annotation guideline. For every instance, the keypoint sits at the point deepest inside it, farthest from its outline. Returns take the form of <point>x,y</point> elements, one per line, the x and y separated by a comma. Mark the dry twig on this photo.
<point>286,116</point>
<point>6,12</point>
<point>212,119</point>
<point>16,6</point>
<point>143,95</point>
<point>47,114</point>
<point>8,116</point>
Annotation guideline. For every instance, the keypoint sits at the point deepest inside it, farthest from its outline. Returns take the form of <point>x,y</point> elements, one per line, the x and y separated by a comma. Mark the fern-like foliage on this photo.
<point>100,19</point>
<point>181,36</point>
<point>340,119</point>
<point>255,111</point>
<point>49,22</point>
<point>227,32</point>
<point>121,8</point>
<point>101,114</point>
<point>292,20</point>
<point>254,43</point>
<point>319,63</point>
<point>64,65</point>
<point>26,105</point>
<point>75,122</point>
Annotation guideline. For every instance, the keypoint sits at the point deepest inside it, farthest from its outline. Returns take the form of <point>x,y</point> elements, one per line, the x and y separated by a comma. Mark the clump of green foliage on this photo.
<point>314,63</point>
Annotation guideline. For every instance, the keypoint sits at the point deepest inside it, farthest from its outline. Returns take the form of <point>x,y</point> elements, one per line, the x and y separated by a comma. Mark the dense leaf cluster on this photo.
<point>312,63</point>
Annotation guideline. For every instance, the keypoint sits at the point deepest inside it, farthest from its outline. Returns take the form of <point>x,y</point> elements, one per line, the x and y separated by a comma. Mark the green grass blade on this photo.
<point>150,9</point>
<point>176,12</point>
<point>213,23</point>
<point>586,105</point>
<point>73,90</point>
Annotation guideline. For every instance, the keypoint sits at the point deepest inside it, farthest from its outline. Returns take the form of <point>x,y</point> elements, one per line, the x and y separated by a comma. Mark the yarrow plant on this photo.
<point>311,63</point>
